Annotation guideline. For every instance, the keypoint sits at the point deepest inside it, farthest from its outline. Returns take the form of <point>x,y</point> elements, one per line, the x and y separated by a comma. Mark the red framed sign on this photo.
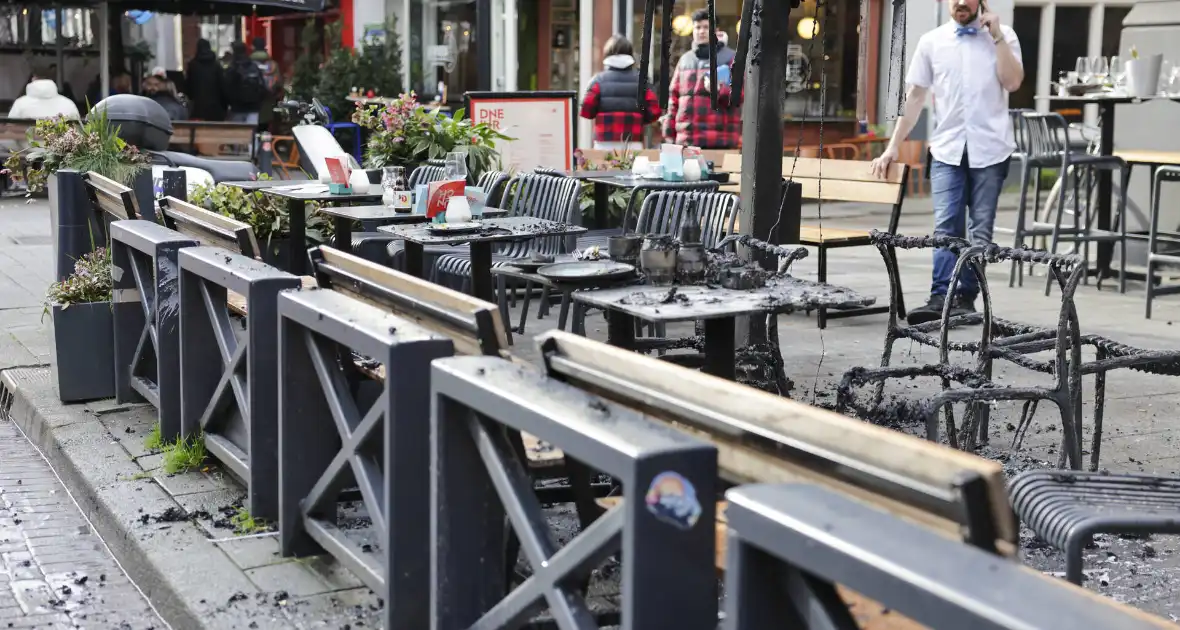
<point>541,125</point>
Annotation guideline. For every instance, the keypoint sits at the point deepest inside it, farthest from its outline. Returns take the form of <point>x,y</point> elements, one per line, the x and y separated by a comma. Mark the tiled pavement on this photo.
<point>56,572</point>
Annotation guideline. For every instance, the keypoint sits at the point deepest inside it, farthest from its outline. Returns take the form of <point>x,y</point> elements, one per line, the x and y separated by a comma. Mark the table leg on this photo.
<point>601,206</point>
<point>343,238</point>
<point>414,260</point>
<point>720,354</point>
<point>620,329</point>
<point>1105,249</point>
<point>481,271</point>
<point>297,244</point>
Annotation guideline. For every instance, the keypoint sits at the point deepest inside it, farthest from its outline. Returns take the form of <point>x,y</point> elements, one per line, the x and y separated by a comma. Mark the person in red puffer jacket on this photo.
<point>612,102</point>
<point>691,120</point>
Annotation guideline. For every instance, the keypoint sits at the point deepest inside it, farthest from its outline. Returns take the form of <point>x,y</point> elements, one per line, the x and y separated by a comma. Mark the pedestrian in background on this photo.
<point>691,119</point>
<point>970,64</point>
<point>612,100</point>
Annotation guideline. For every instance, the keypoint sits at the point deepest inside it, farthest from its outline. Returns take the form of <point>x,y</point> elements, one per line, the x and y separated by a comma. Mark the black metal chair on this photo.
<point>533,195</point>
<point>1049,146</point>
<point>1066,508</point>
<point>493,184</point>
<point>600,238</point>
<point>383,248</point>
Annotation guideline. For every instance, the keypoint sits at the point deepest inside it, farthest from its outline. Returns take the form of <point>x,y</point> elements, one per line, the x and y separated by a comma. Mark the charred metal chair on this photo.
<point>1001,339</point>
<point>638,194</point>
<point>1066,509</point>
<point>765,438</point>
<point>784,563</point>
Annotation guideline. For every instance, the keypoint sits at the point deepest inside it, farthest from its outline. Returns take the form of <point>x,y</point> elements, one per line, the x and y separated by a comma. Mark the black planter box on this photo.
<point>84,336</point>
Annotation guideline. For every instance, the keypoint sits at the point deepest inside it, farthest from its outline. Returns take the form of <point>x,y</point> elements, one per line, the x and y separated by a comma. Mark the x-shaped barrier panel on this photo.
<point>147,317</point>
<point>478,478</point>
<point>229,391</point>
<point>329,442</point>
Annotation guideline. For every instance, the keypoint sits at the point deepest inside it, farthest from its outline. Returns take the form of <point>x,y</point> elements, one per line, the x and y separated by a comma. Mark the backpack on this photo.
<point>250,83</point>
<point>270,75</point>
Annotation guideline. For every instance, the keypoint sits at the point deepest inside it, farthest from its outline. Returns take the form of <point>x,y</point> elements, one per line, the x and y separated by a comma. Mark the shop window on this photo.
<point>1026,21</point>
<point>443,48</point>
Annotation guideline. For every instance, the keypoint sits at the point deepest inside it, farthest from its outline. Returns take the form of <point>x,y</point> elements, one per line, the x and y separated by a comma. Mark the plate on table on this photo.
<point>455,228</point>
<point>586,270</point>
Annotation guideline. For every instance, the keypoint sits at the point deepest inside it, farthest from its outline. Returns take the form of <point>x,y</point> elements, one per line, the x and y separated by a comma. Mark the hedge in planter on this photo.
<point>83,347</point>
<point>265,214</point>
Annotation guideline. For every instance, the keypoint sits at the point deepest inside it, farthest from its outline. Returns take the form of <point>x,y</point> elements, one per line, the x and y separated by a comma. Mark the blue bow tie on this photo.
<point>966,30</point>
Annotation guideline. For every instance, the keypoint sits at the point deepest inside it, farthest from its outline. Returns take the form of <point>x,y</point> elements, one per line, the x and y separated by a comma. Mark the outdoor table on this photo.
<point>297,200</point>
<point>263,184</point>
<point>418,236</point>
<point>1106,104</point>
<point>344,216</point>
<point>718,307</point>
<point>603,181</point>
<point>566,289</point>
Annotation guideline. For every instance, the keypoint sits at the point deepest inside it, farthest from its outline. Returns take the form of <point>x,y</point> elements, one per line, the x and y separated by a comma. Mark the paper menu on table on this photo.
<point>439,194</point>
<point>339,169</point>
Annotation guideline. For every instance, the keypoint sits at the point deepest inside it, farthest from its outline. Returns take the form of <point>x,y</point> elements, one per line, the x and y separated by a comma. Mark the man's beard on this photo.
<point>963,16</point>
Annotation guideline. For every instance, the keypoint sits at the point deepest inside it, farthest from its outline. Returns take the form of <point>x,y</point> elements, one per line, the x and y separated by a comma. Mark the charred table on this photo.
<point>718,307</point>
<point>492,231</point>
<point>345,216</point>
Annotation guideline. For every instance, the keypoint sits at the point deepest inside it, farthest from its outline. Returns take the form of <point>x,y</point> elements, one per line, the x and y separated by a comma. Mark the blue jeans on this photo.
<point>965,202</point>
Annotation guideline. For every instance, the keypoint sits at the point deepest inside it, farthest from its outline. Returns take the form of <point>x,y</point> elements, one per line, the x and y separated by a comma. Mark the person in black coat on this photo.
<point>205,84</point>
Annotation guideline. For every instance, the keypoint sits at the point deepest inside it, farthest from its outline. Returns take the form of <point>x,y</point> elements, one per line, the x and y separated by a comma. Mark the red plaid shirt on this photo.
<point>691,120</point>
<point>618,126</point>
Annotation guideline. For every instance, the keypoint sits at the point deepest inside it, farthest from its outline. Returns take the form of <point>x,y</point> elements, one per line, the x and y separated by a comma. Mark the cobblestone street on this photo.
<point>56,572</point>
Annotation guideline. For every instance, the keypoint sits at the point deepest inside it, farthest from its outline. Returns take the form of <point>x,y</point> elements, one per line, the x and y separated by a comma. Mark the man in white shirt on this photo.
<point>970,64</point>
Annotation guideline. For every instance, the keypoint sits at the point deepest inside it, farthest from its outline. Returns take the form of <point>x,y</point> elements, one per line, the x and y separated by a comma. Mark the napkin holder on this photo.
<point>339,189</point>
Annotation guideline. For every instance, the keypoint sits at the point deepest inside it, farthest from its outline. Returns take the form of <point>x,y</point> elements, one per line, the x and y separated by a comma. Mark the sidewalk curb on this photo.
<point>97,472</point>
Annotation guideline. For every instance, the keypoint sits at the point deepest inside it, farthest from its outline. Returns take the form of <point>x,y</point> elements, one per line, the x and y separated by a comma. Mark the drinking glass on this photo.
<point>456,165</point>
<point>1118,71</point>
<point>1083,69</point>
<point>1099,68</point>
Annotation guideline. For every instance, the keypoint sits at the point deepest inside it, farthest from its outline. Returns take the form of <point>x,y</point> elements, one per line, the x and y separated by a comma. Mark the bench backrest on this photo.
<point>194,134</point>
<point>765,438</point>
<point>16,129</point>
<point>209,228</point>
<point>473,325</point>
<point>842,180</point>
<point>109,197</point>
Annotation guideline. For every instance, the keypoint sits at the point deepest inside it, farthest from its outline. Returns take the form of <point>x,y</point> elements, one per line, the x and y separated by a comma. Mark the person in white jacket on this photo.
<point>41,100</point>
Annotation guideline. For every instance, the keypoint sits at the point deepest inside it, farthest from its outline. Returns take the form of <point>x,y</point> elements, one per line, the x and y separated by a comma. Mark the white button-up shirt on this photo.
<point>970,105</point>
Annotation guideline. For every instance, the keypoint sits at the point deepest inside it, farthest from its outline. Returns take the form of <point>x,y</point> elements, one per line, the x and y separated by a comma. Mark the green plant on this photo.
<point>245,524</point>
<point>405,133</point>
<point>58,143</point>
<point>184,454</point>
<point>266,214</point>
<point>305,74</point>
<point>153,441</point>
<point>379,64</point>
<point>338,75</point>
<point>91,282</point>
<point>616,160</point>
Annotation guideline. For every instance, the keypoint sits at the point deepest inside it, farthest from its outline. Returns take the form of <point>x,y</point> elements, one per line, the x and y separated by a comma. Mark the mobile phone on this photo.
<point>723,74</point>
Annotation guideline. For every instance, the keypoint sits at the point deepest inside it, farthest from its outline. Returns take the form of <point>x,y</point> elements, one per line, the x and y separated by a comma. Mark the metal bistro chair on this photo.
<point>493,184</point>
<point>383,248</point>
<point>600,238</point>
<point>1048,146</point>
<point>664,211</point>
<point>1158,256</point>
<point>533,195</point>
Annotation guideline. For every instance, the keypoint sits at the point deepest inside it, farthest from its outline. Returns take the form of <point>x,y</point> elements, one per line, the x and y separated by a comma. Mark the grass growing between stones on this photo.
<point>153,441</point>
<point>245,524</point>
<point>184,455</point>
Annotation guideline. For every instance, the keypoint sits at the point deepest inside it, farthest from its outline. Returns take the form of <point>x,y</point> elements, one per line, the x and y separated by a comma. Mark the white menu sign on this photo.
<point>541,129</point>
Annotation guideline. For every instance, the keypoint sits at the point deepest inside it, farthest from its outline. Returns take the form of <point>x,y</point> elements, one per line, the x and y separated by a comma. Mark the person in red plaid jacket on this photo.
<point>691,120</point>
<point>612,102</point>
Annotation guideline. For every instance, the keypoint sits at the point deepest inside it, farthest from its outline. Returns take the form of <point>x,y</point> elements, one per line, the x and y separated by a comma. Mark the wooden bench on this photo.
<point>110,201</point>
<point>762,438</point>
<point>213,138</point>
<point>15,131</point>
<point>210,228</point>
<point>826,181</point>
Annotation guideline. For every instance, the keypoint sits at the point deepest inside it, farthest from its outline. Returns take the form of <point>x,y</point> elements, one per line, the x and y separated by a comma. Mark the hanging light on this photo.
<point>738,27</point>
<point>807,28</point>
<point>682,25</point>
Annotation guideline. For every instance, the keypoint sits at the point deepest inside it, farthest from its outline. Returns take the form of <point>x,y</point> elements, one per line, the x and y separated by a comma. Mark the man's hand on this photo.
<point>880,166</point>
<point>991,22</point>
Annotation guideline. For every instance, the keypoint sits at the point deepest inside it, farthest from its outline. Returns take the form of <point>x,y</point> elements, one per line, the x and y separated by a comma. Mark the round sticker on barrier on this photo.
<point>673,500</point>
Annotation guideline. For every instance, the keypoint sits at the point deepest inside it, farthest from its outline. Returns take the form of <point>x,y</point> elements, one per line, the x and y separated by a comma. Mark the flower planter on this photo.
<point>83,351</point>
